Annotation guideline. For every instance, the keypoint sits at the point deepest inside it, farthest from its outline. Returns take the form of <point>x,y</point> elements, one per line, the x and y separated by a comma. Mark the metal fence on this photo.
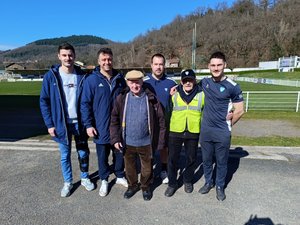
<point>272,100</point>
<point>291,83</point>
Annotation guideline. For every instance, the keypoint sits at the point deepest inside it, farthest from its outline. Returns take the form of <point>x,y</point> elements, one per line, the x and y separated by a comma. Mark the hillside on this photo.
<point>76,40</point>
<point>248,32</point>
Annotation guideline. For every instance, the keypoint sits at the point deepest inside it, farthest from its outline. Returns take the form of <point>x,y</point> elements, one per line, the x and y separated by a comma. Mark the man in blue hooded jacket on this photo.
<point>99,91</point>
<point>59,103</point>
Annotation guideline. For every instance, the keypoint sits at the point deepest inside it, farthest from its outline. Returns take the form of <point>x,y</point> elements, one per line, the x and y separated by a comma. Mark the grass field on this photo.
<point>273,75</point>
<point>20,88</point>
<point>16,95</point>
<point>247,86</point>
<point>34,88</point>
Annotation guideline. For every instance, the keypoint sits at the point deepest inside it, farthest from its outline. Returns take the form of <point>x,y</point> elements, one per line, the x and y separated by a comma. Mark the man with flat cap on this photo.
<point>137,128</point>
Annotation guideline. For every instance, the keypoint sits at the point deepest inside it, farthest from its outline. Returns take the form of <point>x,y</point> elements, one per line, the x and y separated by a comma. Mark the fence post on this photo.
<point>247,101</point>
<point>298,98</point>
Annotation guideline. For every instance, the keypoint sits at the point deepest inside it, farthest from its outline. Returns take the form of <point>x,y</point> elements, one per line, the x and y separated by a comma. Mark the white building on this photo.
<point>268,65</point>
<point>288,64</point>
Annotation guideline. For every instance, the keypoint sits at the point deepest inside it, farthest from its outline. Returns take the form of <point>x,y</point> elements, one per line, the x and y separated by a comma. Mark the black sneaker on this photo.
<point>131,191</point>
<point>170,191</point>
<point>220,194</point>
<point>206,188</point>
<point>188,187</point>
<point>147,195</point>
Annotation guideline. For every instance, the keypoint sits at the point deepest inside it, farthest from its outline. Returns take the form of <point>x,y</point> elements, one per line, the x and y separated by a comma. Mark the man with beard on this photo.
<point>161,85</point>
<point>99,92</point>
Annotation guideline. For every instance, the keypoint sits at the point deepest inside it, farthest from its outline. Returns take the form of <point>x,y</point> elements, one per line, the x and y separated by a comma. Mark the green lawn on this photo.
<point>266,141</point>
<point>26,94</point>
<point>20,88</point>
<point>272,75</point>
<point>248,86</point>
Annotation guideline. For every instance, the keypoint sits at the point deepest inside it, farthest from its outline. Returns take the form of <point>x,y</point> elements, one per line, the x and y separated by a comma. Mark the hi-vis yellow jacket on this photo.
<point>186,116</point>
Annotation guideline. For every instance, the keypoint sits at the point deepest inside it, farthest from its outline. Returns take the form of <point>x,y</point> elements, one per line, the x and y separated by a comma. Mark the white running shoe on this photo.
<point>86,182</point>
<point>66,190</point>
<point>104,188</point>
<point>122,181</point>
<point>164,177</point>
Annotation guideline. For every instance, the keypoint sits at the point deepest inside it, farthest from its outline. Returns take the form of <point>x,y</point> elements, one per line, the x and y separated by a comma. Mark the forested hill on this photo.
<point>248,32</point>
<point>76,40</point>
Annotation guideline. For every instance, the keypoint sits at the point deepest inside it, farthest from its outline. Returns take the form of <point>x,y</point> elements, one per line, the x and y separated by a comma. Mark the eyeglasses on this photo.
<point>188,80</point>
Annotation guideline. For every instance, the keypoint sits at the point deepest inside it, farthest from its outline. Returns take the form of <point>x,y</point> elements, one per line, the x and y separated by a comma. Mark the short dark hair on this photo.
<point>159,56</point>
<point>104,51</point>
<point>66,46</point>
<point>218,55</point>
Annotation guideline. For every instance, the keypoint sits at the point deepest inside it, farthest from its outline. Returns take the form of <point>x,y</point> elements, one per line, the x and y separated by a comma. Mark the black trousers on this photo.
<point>175,146</point>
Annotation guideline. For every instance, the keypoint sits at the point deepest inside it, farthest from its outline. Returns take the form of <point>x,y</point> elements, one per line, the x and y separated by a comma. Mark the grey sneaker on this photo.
<point>104,188</point>
<point>66,190</point>
<point>86,182</point>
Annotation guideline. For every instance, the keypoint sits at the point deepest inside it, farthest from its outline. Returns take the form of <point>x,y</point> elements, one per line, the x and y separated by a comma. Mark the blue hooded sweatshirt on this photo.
<point>53,103</point>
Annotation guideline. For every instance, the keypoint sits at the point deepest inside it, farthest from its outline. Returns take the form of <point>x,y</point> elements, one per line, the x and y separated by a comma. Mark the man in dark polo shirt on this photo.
<point>222,96</point>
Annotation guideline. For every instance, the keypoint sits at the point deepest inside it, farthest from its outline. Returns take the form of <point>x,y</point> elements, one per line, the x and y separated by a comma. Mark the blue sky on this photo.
<point>25,21</point>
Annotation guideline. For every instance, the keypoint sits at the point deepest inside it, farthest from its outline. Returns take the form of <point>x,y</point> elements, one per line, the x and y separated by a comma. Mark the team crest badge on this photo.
<point>222,89</point>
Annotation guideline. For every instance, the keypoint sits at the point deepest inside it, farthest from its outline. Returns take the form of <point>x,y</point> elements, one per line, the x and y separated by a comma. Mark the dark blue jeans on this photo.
<point>175,146</point>
<point>103,151</point>
<point>221,151</point>
<point>65,154</point>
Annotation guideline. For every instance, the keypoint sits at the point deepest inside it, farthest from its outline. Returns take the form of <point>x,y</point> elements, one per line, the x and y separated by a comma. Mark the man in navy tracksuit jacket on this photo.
<point>59,103</point>
<point>99,92</point>
<point>161,85</point>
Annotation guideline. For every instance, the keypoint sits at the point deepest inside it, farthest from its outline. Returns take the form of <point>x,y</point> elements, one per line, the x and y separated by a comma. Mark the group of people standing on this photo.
<point>135,116</point>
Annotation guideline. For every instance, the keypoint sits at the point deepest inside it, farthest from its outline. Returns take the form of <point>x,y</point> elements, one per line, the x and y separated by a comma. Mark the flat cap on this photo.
<point>134,75</point>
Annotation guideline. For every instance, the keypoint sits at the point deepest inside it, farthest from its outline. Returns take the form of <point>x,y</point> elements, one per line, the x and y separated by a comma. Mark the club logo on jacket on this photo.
<point>100,85</point>
<point>222,89</point>
<point>166,89</point>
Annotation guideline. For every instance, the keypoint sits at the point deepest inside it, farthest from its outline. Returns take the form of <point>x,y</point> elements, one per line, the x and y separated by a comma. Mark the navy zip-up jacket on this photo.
<point>97,101</point>
<point>53,103</point>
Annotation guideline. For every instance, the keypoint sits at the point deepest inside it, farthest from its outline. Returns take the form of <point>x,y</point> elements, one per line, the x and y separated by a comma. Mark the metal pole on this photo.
<point>298,98</point>
<point>247,101</point>
<point>194,48</point>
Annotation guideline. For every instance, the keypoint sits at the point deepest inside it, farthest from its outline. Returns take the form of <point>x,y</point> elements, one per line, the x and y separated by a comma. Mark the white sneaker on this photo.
<point>86,182</point>
<point>164,177</point>
<point>104,188</point>
<point>122,181</point>
<point>66,190</point>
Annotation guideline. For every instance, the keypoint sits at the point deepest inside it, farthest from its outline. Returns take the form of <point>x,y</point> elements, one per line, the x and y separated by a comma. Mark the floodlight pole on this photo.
<point>194,48</point>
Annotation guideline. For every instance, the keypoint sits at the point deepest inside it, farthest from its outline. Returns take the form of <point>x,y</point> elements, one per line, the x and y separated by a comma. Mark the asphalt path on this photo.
<point>259,191</point>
